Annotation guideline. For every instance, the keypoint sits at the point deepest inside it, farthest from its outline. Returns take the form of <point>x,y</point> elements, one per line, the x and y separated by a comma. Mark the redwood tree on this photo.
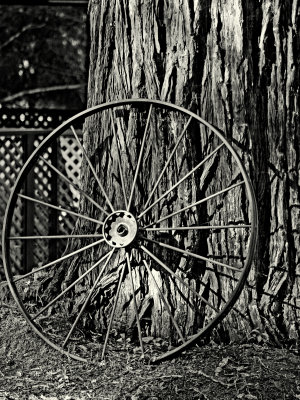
<point>234,63</point>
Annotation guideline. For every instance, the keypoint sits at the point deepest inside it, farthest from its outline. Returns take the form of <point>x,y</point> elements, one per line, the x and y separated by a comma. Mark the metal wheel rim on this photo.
<point>55,134</point>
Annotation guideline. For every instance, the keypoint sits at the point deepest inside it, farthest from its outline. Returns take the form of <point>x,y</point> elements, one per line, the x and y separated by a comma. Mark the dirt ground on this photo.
<point>29,369</point>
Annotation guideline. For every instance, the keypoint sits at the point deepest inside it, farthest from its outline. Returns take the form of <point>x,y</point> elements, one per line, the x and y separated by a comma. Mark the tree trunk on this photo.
<point>234,64</point>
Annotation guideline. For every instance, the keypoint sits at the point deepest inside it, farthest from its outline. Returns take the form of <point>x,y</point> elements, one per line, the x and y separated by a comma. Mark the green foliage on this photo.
<point>42,47</point>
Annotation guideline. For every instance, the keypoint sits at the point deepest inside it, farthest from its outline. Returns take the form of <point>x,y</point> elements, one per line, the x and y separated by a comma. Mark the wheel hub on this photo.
<point>120,229</point>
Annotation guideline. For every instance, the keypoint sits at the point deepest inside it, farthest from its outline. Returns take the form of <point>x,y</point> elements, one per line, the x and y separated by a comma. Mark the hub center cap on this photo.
<point>119,229</point>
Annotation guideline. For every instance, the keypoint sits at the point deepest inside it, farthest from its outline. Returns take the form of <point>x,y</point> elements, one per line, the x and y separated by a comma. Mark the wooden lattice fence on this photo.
<point>21,131</point>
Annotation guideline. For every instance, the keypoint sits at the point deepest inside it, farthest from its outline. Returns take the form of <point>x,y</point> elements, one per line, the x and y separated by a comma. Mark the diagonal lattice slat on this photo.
<point>12,157</point>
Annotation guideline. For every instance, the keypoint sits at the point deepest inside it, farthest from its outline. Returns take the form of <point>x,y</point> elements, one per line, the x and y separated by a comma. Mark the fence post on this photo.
<point>28,145</point>
<point>53,214</point>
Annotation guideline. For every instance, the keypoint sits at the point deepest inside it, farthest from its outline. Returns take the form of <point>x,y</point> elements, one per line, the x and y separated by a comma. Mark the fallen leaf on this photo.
<point>148,339</point>
<point>224,362</point>
<point>221,365</point>
<point>241,368</point>
<point>218,370</point>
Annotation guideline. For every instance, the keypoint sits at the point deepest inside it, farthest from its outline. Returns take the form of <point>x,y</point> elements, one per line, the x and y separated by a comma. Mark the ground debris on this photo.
<point>30,370</point>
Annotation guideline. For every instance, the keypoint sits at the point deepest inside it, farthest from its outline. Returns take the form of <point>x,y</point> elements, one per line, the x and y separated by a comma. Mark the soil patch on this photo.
<point>30,369</point>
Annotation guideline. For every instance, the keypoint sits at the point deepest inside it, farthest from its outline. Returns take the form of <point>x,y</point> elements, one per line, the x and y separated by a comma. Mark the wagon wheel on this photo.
<point>164,212</point>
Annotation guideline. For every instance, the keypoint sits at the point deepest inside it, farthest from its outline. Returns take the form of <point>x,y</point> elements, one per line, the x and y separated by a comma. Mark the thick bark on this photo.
<point>249,90</point>
<point>233,63</point>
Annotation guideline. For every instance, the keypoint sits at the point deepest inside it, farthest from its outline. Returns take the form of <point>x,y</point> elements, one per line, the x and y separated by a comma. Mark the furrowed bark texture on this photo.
<point>234,63</point>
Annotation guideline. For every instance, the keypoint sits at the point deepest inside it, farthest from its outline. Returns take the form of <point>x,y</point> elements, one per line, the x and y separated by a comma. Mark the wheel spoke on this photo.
<point>190,228</point>
<point>165,302</point>
<point>196,203</point>
<point>113,312</point>
<point>190,254</point>
<point>54,237</point>
<point>66,256</point>
<point>87,298</point>
<point>74,185</point>
<point>92,168</point>
<point>70,286</point>
<point>119,157</point>
<point>135,305</point>
<point>181,180</point>
<point>139,159</point>
<point>168,161</point>
<point>61,209</point>
<point>177,277</point>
